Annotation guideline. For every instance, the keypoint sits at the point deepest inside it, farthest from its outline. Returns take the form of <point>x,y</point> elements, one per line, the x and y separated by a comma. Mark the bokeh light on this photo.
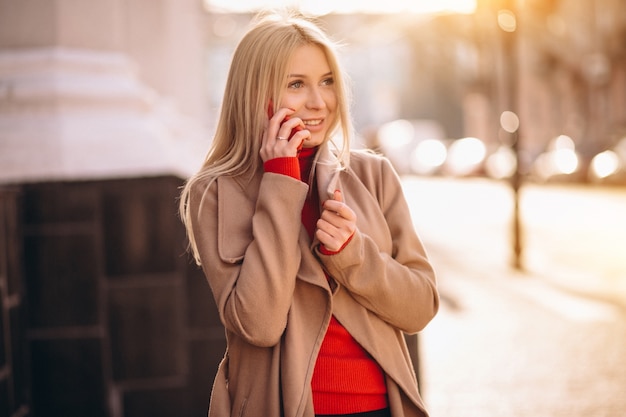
<point>502,163</point>
<point>605,164</point>
<point>509,121</point>
<point>428,156</point>
<point>560,159</point>
<point>507,21</point>
<point>465,156</point>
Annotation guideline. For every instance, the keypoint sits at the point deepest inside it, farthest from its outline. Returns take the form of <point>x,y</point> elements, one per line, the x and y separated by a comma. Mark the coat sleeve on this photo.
<point>249,252</point>
<point>398,285</point>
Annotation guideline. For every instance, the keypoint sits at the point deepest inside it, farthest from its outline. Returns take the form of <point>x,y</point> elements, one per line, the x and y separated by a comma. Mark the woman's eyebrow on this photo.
<point>305,76</point>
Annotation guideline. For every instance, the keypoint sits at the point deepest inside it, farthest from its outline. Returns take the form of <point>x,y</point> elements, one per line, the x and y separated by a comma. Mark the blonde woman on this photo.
<point>307,246</point>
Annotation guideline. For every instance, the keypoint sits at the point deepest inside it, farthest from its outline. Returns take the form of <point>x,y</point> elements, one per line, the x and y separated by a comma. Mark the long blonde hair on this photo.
<point>257,75</point>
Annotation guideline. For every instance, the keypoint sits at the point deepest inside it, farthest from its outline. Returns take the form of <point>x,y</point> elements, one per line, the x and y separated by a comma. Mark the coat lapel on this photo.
<point>327,174</point>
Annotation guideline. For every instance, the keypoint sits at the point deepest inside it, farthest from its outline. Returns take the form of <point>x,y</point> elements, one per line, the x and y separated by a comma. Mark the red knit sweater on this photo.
<point>346,379</point>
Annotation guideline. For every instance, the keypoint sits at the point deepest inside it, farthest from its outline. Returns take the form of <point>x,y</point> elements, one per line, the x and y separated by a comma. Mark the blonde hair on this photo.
<point>257,76</point>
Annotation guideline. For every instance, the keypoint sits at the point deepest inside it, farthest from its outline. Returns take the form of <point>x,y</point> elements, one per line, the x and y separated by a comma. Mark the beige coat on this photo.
<point>275,302</point>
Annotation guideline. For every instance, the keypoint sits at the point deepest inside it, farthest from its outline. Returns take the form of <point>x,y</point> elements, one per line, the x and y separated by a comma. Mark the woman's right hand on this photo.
<point>276,143</point>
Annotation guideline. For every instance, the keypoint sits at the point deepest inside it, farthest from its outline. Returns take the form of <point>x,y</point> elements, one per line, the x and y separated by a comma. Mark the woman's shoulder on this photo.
<point>203,189</point>
<point>374,171</point>
<point>204,182</point>
<point>365,154</point>
<point>367,160</point>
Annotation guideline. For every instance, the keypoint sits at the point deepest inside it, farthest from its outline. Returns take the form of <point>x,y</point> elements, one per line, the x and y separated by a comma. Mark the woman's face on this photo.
<point>310,91</point>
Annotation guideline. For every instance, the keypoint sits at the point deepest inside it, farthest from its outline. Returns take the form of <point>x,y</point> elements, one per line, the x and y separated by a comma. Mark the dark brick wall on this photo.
<point>119,321</point>
<point>14,385</point>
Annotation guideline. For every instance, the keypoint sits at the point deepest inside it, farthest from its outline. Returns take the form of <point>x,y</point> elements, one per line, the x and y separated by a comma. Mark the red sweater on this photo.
<point>346,379</point>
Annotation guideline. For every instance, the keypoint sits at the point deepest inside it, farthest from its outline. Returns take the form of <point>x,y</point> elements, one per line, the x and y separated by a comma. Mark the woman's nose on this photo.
<point>315,100</point>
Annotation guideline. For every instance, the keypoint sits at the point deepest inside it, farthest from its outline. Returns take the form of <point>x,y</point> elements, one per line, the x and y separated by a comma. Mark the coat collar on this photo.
<point>328,169</point>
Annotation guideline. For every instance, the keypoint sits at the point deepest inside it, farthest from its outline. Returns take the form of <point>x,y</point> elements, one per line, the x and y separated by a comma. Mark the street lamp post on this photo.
<point>509,120</point>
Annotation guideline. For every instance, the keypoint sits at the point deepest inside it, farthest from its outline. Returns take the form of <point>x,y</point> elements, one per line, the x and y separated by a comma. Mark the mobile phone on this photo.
<point>270,114</point>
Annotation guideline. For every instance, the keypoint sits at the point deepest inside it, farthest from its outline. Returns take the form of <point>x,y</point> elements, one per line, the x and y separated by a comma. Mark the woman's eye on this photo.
<point>328,81</point>
<point>295,84</point>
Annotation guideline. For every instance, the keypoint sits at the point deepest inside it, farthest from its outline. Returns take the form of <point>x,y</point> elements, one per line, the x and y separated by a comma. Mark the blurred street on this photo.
<point>549,341</point>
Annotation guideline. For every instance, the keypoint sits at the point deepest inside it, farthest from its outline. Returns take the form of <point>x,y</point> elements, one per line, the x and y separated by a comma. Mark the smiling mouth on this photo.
<point>312,122</point>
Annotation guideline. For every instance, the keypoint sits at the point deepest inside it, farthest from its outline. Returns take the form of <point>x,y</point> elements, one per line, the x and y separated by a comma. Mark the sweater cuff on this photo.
<point>286,165</point>
<point>325,251</point>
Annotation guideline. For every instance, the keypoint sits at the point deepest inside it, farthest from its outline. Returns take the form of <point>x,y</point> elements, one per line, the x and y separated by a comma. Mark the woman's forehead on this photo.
<point>308,60</point>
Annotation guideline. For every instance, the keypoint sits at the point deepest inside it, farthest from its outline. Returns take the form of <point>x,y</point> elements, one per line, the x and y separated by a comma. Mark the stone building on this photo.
<point>102,109</point>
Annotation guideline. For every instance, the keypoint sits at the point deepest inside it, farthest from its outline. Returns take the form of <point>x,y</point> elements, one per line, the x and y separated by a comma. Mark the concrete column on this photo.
<point>100,88</point>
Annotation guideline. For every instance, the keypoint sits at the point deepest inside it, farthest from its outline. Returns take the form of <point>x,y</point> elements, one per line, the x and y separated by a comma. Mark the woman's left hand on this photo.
<point>336,224</point>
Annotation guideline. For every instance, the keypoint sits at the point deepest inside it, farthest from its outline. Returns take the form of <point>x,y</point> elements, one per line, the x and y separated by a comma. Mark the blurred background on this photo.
<point>506,120</point>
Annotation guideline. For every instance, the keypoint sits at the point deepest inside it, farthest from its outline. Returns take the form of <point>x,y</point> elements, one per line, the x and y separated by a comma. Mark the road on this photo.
<point>549,341</point>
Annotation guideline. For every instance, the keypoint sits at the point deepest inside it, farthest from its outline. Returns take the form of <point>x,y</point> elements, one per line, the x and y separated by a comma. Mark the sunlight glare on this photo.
<point>320,7</point>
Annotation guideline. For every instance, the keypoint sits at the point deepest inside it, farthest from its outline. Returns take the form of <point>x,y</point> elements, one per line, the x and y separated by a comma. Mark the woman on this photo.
<point>308,248</point>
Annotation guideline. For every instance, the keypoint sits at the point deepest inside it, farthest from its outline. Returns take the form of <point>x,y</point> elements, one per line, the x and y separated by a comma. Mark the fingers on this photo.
<point>336,209</point>
<point>336,224</point>
<point>282,125</point>
<point>333,237</point>
<point>337,196</point>
<point>284,135</point>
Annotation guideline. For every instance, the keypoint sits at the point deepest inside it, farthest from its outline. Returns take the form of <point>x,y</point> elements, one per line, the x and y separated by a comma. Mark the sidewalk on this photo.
<point>579,245</point>
<point>573,237</point>
<point>540,342</point>
<point>505,344</point>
